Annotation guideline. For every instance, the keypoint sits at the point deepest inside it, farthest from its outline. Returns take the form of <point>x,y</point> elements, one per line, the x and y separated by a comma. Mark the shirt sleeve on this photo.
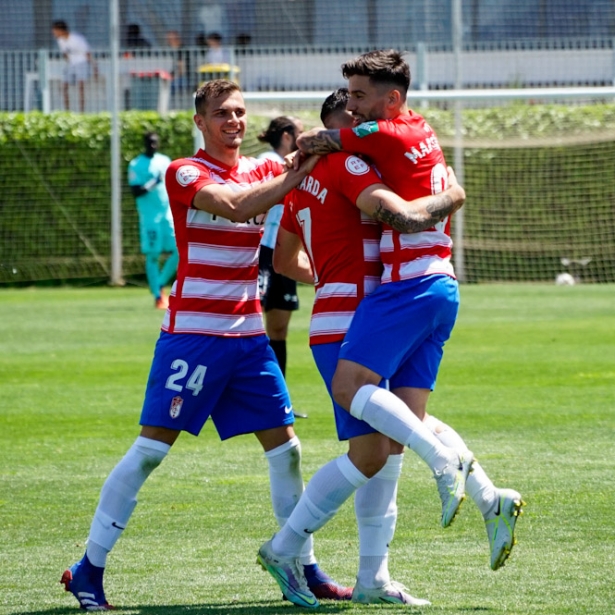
<point>288,221</point>
<point>184,179</point>
<point>364,139</point>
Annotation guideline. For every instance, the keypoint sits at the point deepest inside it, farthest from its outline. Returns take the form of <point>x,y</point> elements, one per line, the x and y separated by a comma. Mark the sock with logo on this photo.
<point>328,489</point>
<point>118,496</point>
<point>376,511</point>
<point>478,485</point>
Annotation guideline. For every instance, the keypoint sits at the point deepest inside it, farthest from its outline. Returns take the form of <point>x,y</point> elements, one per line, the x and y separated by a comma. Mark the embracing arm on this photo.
<point>220,200</point>
<point>319,141</point>
<point>289,259</point>
<point>415,216</point>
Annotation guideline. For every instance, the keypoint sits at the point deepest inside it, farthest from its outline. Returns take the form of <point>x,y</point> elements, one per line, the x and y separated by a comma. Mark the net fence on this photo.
<point>538,171</point>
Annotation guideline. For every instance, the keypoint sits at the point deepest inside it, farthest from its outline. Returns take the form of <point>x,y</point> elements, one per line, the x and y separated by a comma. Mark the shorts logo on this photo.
<point>356,166</point>
<point>366,128</point>
<point>176,406</point>
<point>187,174</point>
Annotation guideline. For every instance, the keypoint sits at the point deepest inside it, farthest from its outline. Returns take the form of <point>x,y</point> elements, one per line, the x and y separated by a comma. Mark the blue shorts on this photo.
<point>235,380</point>
<point>400,329</point>
<point>157,236</point>
<point>325,356</point>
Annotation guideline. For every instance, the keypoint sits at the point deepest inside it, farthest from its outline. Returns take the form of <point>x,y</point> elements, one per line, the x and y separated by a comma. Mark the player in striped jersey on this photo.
<point>400,330</point>
<point>212,358</point>
<point>334,215</point>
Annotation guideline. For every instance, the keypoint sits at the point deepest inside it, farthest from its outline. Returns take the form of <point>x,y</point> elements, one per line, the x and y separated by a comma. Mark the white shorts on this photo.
<point>74,73</point>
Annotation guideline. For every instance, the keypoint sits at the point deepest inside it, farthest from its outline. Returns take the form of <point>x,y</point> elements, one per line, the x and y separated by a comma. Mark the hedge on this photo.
<point>526,206</point>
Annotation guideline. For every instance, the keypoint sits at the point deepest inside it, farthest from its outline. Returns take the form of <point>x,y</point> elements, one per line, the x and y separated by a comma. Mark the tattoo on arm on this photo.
<point>438,207</point>
<point>324,142</point>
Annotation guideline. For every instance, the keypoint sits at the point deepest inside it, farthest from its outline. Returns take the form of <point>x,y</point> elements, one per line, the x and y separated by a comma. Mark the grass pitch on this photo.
<point>528,379</point>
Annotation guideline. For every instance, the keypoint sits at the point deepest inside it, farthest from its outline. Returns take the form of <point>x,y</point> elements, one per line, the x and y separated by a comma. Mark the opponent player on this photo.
<point>333,215</point>
<point>401,328</point>
<point>213,358</point>
<point>146,180</point>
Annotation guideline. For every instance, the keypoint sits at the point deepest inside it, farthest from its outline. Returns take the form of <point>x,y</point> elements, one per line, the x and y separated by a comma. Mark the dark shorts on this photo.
<point>276,291</point>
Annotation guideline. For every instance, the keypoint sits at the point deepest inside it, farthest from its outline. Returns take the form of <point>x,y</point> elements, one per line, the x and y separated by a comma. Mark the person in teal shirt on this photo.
<point>146,180</point>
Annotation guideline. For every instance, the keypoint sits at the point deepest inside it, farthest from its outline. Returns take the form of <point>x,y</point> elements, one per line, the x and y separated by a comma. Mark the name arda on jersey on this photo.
<point>311,185</point>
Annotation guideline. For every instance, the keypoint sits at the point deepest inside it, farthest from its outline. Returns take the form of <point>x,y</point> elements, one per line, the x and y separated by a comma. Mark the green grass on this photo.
<point>528,379</point>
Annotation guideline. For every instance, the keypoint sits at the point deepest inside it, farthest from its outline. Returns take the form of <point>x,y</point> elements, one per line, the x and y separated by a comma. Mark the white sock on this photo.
<point>286,485</point>
<point>478,485</point>
<point>390,416</point>
<point>328,489</point>
<point>376,512</point>
<point>118,496</point>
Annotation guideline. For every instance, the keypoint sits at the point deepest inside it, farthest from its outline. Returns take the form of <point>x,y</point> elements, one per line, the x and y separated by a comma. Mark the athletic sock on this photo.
<point>328,489</point>
<point>478,485</point>
<point>376,512</point>
<point>118,496</point>
<point>390,416</point>
<point>279,348</point>
<point>286,485</point>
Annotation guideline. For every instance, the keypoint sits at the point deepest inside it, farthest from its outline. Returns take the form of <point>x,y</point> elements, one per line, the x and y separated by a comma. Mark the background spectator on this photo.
<point>76,51</point>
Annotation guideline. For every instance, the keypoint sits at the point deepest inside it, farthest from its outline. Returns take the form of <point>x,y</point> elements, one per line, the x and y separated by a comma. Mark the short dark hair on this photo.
<point>213,89</point>
<point>336,101</point>
<point>383,66</point>
<point>59,24</point>
<point>277,127</point>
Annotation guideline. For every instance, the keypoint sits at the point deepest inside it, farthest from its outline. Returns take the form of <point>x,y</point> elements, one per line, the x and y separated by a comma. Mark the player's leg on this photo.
<point>256,400</point>
<point>388,327</point>
<point>164,415</point>
<point>499,507</point>
<point>276,326</point>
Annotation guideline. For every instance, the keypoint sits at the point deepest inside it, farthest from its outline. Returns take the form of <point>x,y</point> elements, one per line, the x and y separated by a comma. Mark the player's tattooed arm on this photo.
<point>435,209</point>
<point>319,141</point>
<point>414,216</point>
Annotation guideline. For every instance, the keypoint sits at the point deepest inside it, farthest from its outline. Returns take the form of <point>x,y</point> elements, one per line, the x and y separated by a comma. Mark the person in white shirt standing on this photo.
<point>76,51</point>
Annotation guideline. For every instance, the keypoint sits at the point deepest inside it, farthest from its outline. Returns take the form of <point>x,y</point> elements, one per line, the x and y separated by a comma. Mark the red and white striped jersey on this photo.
<point>406,152</point>
<point>216,291</point>
<point>340,241</point>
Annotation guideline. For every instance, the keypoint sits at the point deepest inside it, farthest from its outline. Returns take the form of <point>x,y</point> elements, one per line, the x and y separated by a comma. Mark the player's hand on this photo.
<point>304,140</point>
<point>289,160</point>
<point>308,163</point>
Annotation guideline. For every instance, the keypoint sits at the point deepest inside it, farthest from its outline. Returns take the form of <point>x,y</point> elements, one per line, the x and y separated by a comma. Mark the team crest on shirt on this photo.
<point>187,174</point>
<point>356,166</point>
<point>176,406</point>
<point>366,128</point>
